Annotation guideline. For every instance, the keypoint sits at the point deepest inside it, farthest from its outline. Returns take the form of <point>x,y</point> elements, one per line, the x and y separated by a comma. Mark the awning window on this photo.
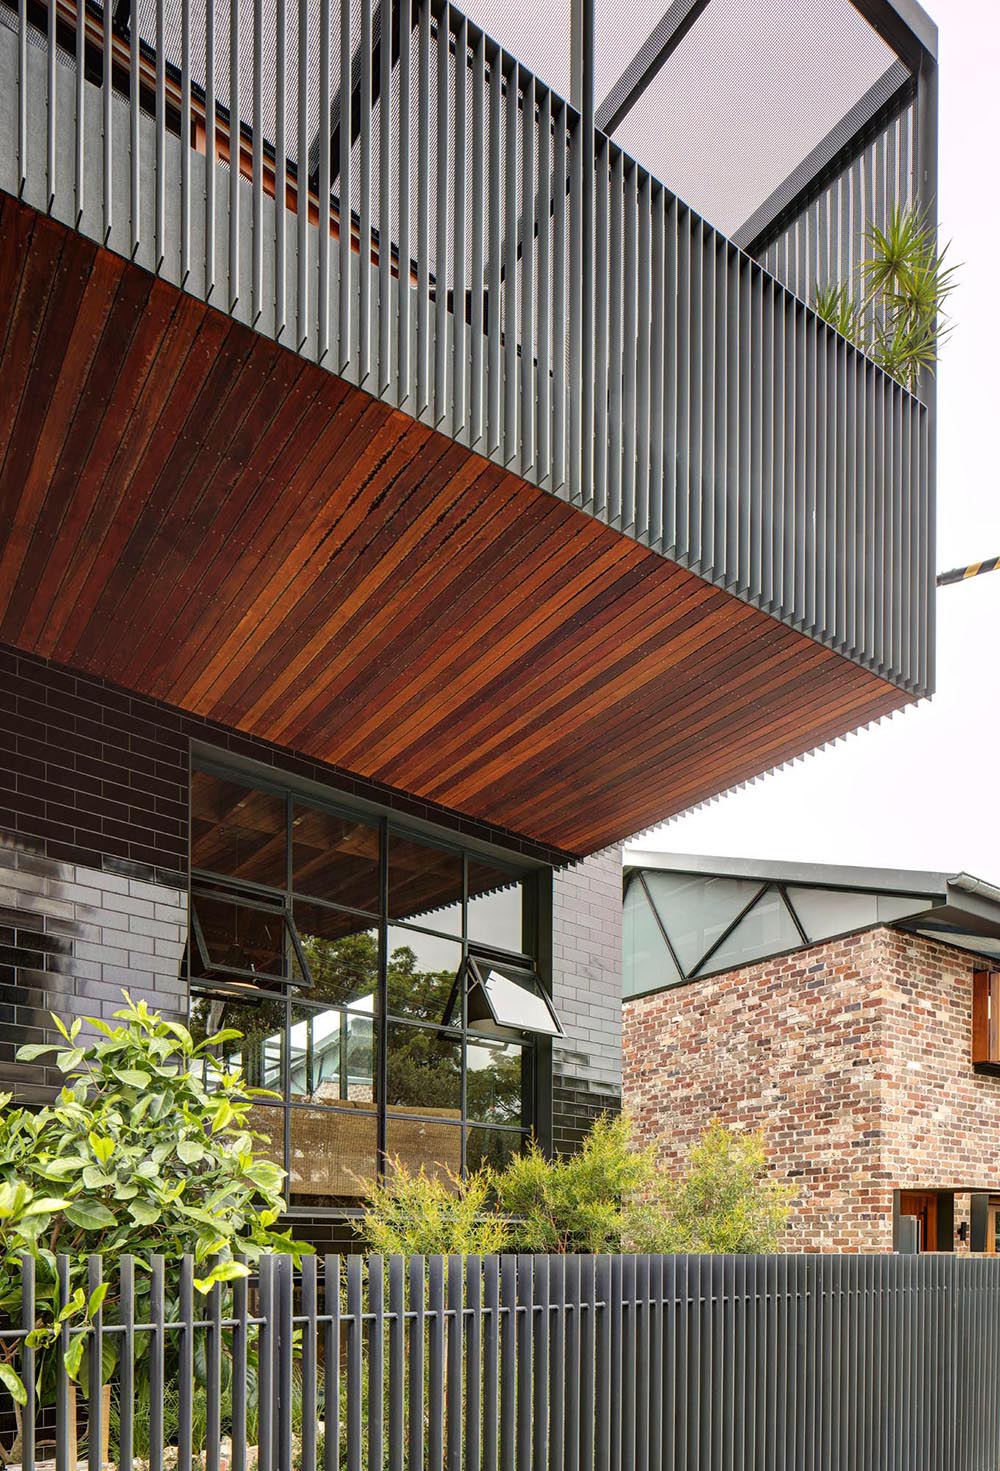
<point>505,998</point>
<point>244,939</point>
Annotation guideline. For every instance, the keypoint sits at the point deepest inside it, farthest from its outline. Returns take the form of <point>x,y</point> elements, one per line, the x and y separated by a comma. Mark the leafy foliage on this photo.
<point>895,313</point>
<point>581,1202</point>
<point>135,1156</point>
<point>416,1213</point>
<point>724,1201</point>
<point>611,1196</point>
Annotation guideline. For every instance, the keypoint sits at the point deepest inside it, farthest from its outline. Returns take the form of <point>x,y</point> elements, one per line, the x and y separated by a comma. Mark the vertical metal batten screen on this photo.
<point>382,188</point>
<point>607,1363</point>
<point>824,241</point>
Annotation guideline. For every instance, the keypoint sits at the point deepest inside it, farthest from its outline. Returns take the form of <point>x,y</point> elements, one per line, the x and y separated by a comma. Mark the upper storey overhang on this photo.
<point>529,493</point>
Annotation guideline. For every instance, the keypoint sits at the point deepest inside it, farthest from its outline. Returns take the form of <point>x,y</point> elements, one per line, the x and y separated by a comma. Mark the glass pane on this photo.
<point>334,1155</point>
<point>766,930</point>
<point>493,1147</point>
<point>342,957</point>
<point>423,976</point>
<point>267,1121</point>
<point>495,1085</point>
<point>334,858</point>
<point>243,939</point>
<point>696,910</point>
<point>423,1071</point>
<point>496,907</point>
<point>261,1024</point>
<point>331,1055</point>
<point>425,885</point>
<point>237,831</point>
<point>422,1144</point>
<point>824,912</point>
<point>646,962</point>
<point>508,997</point>
<point>898,906</point>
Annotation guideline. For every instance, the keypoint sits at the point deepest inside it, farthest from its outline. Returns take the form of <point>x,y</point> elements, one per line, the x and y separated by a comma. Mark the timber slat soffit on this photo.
<point>464,247</point>
<point>194,512</point>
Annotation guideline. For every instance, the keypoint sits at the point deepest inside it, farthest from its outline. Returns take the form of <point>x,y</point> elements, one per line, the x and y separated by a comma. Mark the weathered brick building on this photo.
<point>851,1014</point>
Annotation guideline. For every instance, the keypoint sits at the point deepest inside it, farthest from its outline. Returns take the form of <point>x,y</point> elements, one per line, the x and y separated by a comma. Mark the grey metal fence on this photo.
<point>380,186</point>
<point>609,1363</point>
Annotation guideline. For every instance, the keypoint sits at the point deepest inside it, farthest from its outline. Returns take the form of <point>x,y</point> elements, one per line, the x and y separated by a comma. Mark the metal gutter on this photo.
<point>933,886</point>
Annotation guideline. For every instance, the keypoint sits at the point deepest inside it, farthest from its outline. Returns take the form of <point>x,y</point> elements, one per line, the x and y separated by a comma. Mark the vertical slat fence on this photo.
<point>520,1364</point>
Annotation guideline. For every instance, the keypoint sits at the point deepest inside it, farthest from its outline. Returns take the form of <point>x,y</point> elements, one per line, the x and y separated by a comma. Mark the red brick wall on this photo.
<point>853,1056</point>
<point>945,1118</point>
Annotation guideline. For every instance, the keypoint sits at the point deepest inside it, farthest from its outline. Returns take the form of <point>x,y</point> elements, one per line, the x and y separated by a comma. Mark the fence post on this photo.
<point>473,1361</point>
<point>238,1428</point>
<point>435,1362</point>
<point>604,1332</point>
<point>331,1363</point>
<point>310,1333</point>
<point>456,1329</point>
<point>28,1363</point>
<point>397,1355</point>
<point>376,1360</point>
<point>185,1376</point>
<point>491,1362</point>
<point>265,1365</point>
<point>126,1368</point>
<point>355,1341</point>
<point>540,1353</point>
<point>508,1362</point>
<point>415,1428</point>
<point>156,1365</point>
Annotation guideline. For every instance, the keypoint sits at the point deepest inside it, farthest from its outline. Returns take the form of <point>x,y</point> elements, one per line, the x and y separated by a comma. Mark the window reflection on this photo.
<point>494,1082</point>
<point>342,958</point>
<point>423,1069</point>
<point>288,949</point>
<point>237,830</point>
<point>331,1054</point>
<point>334,858</point>
<point>423,976</point>
<point>333,1155</point>
<point>261,1023</point>
<point>496,907</point>
<point>424,1144</point>
<point>493,1147</point>
<point>425,885</point>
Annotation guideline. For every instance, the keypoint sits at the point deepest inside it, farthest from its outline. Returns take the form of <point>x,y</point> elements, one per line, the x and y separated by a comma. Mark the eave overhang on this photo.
<point>248,477</point>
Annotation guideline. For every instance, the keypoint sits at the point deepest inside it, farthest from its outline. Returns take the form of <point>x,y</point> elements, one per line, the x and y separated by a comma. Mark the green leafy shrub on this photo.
<point>895,311</point>
<point>723,1201</point>
<point>581,1202</point>
<point>135,1156</point>
<point>416,1213</point>
<point>611,1196</point>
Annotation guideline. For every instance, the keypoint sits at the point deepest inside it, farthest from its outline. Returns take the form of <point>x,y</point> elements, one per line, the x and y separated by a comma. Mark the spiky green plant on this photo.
<point>895,312</point>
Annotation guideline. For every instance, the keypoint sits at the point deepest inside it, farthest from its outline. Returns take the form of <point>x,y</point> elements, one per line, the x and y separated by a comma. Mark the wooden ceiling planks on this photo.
<point>198,514</point>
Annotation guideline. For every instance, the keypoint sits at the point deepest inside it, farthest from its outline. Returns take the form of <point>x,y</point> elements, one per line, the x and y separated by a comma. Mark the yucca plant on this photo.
<point>895,312</point>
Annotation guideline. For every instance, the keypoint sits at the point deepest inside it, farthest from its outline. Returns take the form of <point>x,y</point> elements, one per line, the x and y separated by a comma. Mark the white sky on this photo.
<point>921,790</point>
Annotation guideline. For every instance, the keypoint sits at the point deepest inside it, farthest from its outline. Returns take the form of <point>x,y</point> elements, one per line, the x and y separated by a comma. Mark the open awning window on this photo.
<point>505,998</point>
<point>244,939</point>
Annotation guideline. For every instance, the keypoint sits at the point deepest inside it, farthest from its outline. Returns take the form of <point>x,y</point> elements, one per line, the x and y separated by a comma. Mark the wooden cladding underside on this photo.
<point>197,514</point>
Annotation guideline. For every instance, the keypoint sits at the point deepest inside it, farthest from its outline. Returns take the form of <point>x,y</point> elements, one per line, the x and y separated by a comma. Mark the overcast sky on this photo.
<point>921,790</point>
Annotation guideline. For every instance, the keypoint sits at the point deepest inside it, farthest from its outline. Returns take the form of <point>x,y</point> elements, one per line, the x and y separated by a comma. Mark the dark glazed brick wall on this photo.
<point>71,938</point>
<point>94,847</point>
<point>587,990</point>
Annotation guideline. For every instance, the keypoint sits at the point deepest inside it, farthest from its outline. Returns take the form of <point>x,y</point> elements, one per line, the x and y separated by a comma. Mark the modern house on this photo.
<point>852,1014</point>
<point>419,471</point>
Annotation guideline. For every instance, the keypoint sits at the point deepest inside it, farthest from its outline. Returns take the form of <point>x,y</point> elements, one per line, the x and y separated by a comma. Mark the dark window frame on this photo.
<point>291,995</point>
